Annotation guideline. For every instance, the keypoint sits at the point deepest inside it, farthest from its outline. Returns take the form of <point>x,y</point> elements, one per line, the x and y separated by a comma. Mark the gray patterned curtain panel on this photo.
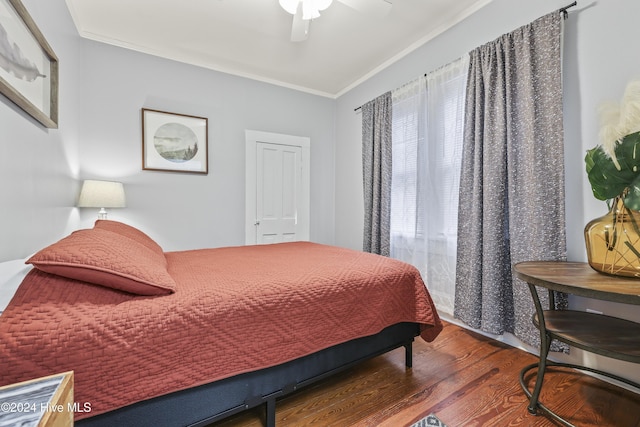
<point>511,205</point>
<point>376,169</point>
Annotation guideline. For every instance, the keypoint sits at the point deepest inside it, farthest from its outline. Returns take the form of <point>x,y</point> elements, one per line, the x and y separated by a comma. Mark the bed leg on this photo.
<point>408,355</point>
<point>270,417</point>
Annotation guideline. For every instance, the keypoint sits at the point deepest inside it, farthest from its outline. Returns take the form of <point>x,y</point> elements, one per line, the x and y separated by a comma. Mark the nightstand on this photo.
<point>595,333</point>
<point>46,401</point>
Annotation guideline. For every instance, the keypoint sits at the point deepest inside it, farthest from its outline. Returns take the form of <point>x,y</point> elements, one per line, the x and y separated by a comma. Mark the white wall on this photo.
<point>186,211</point>
<point>39,166</point>
<point>102,90</point>
<point>600,57</point>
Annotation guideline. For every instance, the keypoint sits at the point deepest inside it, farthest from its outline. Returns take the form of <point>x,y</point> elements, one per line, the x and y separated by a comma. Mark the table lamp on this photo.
<point>101,194</point>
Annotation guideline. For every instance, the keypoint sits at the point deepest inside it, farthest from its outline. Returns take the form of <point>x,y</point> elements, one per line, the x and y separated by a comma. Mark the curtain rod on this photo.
<point>562,10</point>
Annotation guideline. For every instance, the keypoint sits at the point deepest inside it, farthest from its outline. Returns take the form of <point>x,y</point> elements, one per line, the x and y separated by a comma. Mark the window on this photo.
<point>427,134</point>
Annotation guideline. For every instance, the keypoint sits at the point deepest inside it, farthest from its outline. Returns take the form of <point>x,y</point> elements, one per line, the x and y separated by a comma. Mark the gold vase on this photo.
<point>613,241</point>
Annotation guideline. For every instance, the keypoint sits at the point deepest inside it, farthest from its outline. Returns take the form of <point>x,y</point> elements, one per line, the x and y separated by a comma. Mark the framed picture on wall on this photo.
<point>174,142</point>
<point>28,66</point>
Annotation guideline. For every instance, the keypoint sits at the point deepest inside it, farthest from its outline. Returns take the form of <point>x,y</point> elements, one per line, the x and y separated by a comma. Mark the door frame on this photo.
<point>252,138</point>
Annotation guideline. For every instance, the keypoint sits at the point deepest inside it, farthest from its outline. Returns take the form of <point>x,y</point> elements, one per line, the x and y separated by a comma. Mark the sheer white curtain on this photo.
<point>428,119</point>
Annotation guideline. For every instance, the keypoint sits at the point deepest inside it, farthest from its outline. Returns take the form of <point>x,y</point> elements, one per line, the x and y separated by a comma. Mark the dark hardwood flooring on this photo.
<point>464,378</point>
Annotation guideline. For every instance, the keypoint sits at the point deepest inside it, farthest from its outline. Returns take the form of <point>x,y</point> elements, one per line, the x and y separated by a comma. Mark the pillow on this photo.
<point>130,232</point>
<point>107,259</point>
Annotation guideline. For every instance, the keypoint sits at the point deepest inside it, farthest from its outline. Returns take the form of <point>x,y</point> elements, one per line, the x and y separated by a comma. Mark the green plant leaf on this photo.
<point>632,198</point>
<point>603,175</point>
<point>607,181</point>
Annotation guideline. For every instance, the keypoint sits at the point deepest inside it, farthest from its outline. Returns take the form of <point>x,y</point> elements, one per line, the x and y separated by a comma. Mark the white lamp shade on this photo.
<point>101,194</point>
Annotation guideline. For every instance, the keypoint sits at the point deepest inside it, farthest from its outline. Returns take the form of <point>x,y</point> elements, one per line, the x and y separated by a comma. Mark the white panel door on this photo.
<point>278,182</point>
<point>277,188</point>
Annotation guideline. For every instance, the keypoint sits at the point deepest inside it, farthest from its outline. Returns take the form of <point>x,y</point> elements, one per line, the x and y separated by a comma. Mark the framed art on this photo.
<point>174,142</point>
<point>28,66</point>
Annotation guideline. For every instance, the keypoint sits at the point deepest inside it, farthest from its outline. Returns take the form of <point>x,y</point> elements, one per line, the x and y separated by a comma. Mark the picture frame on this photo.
<point>28,65</point>
<point>173,142</point>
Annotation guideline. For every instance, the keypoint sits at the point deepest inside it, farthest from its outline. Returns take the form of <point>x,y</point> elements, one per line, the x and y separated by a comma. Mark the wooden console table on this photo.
<point>596,333</point>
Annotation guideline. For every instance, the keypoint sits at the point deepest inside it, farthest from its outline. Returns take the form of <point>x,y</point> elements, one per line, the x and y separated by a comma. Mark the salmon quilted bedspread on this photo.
<point>235,309</point>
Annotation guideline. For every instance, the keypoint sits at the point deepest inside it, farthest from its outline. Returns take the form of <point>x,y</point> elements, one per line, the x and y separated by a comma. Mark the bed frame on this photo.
<point>203,405</point>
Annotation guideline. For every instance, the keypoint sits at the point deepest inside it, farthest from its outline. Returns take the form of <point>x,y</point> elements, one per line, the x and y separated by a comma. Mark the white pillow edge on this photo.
<point>12,273</point>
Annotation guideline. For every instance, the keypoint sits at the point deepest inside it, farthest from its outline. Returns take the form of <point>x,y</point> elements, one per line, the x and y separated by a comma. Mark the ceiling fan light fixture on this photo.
<point>322,4</point>
<point>310,8</point>
<point>290,6</point>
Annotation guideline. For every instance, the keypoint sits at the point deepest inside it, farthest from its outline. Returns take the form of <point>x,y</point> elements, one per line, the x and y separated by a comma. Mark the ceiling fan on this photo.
<point>304,11</point>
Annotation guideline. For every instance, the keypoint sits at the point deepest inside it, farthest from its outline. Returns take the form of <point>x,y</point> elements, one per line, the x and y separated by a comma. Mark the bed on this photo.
<point>191,337</point>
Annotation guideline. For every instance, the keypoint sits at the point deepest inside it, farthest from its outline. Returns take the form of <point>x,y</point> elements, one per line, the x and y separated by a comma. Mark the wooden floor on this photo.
<point>464,378</point>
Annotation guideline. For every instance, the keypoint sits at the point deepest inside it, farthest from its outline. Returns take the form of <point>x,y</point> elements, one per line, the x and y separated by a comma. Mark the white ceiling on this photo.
<point>251,38</point>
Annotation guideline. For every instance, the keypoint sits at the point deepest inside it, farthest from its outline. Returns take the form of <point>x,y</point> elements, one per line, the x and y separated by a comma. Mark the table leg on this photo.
<point>545,345</point>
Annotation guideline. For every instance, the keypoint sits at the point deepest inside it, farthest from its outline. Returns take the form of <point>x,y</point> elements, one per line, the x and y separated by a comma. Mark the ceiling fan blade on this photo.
<point>376,8</point>
<point>300,27</point>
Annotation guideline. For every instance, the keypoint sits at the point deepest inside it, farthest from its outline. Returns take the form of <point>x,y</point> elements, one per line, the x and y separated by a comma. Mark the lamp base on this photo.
<point>102,213</point>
